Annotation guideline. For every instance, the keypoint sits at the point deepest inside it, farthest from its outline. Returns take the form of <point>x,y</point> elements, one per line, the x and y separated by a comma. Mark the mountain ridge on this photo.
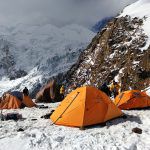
<point>41,51</point>
<point>120,51</point>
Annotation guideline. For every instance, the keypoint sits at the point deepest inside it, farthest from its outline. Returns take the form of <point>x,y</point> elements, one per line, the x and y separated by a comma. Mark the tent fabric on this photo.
<point>10,101</point>
<point>85,106</point>
<point>17,94</point>
<point>49,93</point>
<point>132,99</point>
<point>27,101</point>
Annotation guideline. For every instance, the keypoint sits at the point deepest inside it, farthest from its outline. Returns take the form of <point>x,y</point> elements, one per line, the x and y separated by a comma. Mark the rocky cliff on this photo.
<point>119,51</point>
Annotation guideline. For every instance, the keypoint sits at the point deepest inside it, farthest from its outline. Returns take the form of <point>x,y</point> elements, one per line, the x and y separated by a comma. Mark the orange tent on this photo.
<point>49,93</point>
<point>132,99</point>
<point>85,106</point>
<point>27,101</point>
<point>10,101</point>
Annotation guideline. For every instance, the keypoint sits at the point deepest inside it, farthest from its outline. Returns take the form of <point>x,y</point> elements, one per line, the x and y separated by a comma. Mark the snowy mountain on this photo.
<point>30,55</point>
<point>141,10</point>
<point>120,51</point>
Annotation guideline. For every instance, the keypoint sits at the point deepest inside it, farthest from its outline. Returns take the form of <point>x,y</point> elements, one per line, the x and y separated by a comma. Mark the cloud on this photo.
<point>59,12</point>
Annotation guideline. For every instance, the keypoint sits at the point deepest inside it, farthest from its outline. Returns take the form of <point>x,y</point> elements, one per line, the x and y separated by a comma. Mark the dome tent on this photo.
<point>132,99</point>
<point>49,93</point>
<point>15,100</point>
<point>85,106</point>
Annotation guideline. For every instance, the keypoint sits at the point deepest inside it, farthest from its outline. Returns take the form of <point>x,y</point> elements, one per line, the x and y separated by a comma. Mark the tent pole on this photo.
<point>66,108</point>
<point>1,114</point>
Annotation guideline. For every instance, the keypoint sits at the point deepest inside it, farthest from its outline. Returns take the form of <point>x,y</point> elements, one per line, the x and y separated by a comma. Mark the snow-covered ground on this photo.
<point>40,134</point>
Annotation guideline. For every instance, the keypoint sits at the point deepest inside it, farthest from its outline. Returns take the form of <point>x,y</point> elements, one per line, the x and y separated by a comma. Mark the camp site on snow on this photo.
<point>75,75</point>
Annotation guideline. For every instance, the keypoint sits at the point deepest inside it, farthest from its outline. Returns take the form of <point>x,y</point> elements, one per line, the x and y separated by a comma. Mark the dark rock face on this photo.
<point>7,62</point>
<point>17,74</point>
<point>49,93</point>
<point>115,52</point>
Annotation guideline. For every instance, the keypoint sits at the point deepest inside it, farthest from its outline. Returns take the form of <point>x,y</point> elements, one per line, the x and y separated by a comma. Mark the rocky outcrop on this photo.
<point>116,52</point>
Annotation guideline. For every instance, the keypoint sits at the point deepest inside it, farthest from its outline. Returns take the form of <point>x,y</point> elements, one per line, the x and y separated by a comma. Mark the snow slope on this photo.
<point>40,134</point>
<point>140,9</point>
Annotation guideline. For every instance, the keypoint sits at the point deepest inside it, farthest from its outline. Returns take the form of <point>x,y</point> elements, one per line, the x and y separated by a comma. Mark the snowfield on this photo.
<point>40,134</point>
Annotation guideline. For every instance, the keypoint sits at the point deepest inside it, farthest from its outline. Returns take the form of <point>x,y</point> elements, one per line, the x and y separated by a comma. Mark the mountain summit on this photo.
<point>120,51</point>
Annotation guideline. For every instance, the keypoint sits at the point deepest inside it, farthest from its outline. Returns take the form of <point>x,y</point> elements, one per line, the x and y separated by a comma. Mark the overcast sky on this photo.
<point>59,12</point>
